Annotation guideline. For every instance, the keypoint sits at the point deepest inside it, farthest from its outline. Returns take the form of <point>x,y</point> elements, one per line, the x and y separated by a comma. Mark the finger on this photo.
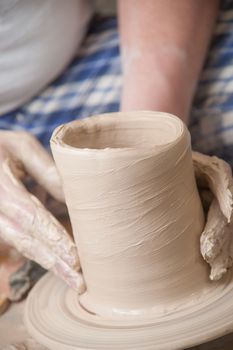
<point>216,241</point>
<point>215,233</point>
<point>220,266</point>
<point>52,233</point>
<point>218,176</point>
<point>35,159</point>
<point>73,278</point>
<point>36,250</point>
<point>34,220</point>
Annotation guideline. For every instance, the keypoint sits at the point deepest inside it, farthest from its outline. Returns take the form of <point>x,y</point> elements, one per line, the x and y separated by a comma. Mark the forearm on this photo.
<point>163,47</point>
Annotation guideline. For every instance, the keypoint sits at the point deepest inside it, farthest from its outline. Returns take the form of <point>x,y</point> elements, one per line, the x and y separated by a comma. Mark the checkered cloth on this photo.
<point>212,113</point>
<point>92,85</point>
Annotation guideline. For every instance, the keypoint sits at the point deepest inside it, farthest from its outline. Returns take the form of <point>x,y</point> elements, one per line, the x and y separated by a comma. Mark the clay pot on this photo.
<point>135,210</point>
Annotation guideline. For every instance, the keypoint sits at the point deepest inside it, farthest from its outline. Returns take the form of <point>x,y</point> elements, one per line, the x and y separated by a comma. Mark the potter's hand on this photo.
<point>216,239</point>
<point>24,222</point>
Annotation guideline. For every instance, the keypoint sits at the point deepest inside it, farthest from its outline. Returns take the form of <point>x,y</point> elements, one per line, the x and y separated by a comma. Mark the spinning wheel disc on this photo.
<point>55,318</point>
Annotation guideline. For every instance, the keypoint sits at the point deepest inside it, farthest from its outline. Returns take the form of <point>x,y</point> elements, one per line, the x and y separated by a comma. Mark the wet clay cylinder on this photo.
<point>135,210</point>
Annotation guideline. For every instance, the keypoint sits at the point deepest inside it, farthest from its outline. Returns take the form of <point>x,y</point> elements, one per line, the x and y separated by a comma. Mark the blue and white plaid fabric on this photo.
<point>92,85</point>
<point>212,113</point>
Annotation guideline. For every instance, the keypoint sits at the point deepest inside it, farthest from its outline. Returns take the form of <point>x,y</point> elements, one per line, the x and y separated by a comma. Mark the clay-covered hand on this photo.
<point>24,222</point>
<point>216,239</point>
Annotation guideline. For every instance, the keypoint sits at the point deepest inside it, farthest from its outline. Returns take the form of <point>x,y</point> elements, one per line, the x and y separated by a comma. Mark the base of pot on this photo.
<point>55,318</point>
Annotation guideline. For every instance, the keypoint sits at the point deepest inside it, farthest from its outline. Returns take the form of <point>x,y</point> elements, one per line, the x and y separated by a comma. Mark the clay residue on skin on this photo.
<point>216,239</point>
<point>216,174</point>
<point>135,210</point>
<point>133,54</point>
<point>24,222</point>
<point>216,242</point>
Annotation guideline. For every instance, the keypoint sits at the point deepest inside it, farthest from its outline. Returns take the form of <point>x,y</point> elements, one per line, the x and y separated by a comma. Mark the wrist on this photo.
<point>153,84</point>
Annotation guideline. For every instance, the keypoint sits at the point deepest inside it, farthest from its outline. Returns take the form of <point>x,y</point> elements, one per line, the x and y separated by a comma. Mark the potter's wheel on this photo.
<point>55,318</point>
